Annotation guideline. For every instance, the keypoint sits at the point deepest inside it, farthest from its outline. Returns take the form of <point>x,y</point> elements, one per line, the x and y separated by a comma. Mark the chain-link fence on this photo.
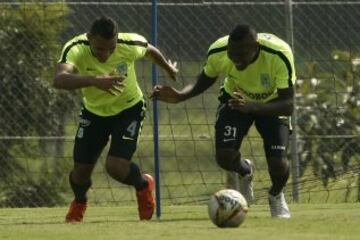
<point>38,122</point>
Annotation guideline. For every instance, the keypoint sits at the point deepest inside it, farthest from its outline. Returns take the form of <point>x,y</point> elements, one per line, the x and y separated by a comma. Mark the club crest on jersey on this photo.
<point>122,69</point>
<point>265,80</point>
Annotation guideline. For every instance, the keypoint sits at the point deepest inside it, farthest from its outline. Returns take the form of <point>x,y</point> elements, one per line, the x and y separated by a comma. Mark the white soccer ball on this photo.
<point>227,208</point>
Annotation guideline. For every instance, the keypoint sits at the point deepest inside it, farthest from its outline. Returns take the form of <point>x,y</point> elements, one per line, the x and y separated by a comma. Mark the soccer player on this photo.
<point>102,64</point>
<point>258,88</point>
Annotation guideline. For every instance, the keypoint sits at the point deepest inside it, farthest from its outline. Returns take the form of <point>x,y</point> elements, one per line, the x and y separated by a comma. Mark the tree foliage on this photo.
<point>29,36</point>
<point>329,115</point>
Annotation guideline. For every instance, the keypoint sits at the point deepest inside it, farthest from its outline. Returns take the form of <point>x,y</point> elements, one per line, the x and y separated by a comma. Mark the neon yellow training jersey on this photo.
<point>130,47</point>
<point>272,70</point>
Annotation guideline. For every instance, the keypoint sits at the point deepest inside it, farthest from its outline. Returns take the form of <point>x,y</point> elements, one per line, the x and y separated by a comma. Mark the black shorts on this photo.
<point>94,131</point>
<point>232,126</point>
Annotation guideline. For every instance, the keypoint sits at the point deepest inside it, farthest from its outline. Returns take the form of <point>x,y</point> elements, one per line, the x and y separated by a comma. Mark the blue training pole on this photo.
<point>156,114</point>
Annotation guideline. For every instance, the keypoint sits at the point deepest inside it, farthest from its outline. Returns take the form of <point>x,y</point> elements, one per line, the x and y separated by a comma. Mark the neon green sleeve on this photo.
<point>69,55</point>
<point>210,68</point>
<point>285,72</point>
<point>139,50</point>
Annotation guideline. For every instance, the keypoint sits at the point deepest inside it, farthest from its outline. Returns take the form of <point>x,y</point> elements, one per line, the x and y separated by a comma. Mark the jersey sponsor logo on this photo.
<point>257,96</point>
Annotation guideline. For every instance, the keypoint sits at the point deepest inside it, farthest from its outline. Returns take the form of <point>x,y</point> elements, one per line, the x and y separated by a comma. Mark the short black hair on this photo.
<point>241,31</point>
<point>105,27</point>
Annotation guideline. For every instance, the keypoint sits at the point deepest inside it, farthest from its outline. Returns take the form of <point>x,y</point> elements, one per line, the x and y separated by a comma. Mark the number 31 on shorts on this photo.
<point>230,131</point>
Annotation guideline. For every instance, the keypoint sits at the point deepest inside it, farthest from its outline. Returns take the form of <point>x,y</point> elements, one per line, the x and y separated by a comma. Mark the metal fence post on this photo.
<point>156,112</point>
<point>294,155</point>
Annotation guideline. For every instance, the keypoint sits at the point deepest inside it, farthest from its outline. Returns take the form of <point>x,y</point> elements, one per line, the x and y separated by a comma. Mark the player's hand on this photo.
<point>239,103</point>
<point>111,84</point>
<point>165,93</point>
<point>173,70</point>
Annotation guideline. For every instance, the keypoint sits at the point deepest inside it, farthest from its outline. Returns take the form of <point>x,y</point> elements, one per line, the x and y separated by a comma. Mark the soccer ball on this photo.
<point>227,208</point>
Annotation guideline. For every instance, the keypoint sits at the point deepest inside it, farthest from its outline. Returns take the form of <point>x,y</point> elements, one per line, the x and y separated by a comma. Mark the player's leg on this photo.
<point>92,136</point>
<point>275,133</point>
<point>125,135</point>
<point>80,182</point>
<point>125,171</point>
<point>230,129</point>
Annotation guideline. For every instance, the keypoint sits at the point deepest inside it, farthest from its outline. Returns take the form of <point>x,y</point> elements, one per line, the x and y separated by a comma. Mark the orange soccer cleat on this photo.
<point>76,212</point>
<point>145,199</point>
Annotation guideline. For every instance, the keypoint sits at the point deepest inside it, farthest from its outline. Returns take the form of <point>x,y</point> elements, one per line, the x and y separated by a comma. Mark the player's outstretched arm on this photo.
<point>171,95</point>
<point>67,78</point>
<point>158,58</point>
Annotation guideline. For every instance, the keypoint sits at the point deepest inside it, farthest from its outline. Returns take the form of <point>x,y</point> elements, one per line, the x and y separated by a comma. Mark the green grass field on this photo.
<point>309,221</point>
